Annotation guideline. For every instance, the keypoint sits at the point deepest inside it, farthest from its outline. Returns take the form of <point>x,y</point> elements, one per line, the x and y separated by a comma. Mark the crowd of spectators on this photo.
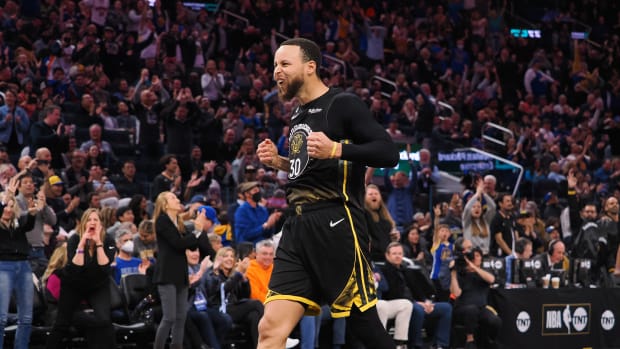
<point>120,101</point>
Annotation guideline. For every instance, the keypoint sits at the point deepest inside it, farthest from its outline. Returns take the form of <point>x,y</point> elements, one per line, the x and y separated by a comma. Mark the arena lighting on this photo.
<point>525,33</point>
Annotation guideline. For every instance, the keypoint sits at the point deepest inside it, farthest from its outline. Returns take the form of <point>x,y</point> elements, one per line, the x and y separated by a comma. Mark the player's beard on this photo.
<point>289,92</point>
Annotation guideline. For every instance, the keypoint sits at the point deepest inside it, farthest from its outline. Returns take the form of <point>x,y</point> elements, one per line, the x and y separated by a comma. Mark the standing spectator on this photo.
<point>45,215</point>
<point>503,228</point>
<point>14,126</point>
<point>170,274</point>
<point>15,274</point>
<point>94,131</point>
<point>126,183</point>
<point>252,221</point>
<point>86,277</point>
<point>476,221</point>
<point>51,134</point>
<point>381,226</point>
<point>169,179</point>
<point>400,197</point>
<point>212,83</point>
<point>65,212</point>
<point>76,177</point>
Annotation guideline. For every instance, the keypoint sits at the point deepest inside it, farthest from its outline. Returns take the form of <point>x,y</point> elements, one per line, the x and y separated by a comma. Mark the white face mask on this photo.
<point>127,246</point>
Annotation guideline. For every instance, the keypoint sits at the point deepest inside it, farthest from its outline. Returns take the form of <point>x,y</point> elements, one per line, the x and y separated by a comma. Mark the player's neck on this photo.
<point>313,89</point>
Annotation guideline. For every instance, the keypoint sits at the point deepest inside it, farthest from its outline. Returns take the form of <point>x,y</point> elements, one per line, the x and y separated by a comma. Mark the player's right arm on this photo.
<point>268,154</point>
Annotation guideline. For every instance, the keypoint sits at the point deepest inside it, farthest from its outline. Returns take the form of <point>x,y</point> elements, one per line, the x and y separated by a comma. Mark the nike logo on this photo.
<point>111,247</point>
<point>314,110</point>
<point>333,224</point>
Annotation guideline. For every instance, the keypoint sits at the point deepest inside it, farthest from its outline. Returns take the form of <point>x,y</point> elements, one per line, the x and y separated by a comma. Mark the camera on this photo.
<point>459,259</point>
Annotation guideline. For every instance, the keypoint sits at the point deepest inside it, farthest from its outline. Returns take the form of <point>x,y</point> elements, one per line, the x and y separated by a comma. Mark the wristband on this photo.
<point>334,148</point>
<point>79,251</point>
<point>101,245</point>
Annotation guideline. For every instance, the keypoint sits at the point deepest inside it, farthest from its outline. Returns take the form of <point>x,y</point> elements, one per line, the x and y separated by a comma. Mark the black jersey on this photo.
<point>344,118</point>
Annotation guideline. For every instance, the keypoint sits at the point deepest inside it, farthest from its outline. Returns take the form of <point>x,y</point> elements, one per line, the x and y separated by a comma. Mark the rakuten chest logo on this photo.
<point>566,320</point>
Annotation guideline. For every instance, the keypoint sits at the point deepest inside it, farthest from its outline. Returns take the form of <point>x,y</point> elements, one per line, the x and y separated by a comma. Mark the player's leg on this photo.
<point>367,328</point>
<point>280,318</point>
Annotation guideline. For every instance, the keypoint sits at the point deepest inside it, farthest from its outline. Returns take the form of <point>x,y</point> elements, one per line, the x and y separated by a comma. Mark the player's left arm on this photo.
<point>371,145</point>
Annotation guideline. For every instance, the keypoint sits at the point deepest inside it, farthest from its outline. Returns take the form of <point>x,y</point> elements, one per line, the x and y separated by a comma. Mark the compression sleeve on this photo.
<point>371,145</point>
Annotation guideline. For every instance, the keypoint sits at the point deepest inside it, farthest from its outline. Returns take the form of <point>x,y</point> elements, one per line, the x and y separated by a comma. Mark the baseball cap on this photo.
<point>550,229</point>
<point>247,186</point>
<point>55,180</point>
<point>209,212</point>
<point>524,214</point>
<point>198,198</point>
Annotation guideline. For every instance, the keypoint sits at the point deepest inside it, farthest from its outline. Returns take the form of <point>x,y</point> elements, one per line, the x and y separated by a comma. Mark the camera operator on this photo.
<point>470,284</point>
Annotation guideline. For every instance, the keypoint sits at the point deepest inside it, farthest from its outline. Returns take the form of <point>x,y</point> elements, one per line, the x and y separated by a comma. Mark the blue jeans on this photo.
<point>310,326</point>
<point>38,260</point>
<point>212,324</point>
<point>16,276</point>
<point>442,311</point>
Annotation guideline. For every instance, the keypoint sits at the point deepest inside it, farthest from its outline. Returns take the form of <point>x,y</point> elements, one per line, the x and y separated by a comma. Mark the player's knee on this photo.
<point>268,327</point>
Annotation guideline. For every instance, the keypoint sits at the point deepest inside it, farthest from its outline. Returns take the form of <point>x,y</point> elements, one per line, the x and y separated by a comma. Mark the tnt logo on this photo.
<point>608,320</point>
<point>523,322</point>
<point>569,319</point>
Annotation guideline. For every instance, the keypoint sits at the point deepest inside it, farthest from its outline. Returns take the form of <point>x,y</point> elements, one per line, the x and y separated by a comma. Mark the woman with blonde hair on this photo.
<point>51,277</point>
<point>15,271</point>
<point>229,290</point>
<point>476,221</point>
<point>170,274</point>
<point>87,277</point>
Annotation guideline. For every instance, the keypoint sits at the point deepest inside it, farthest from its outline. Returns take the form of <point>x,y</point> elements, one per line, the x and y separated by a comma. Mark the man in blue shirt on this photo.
<point>253,222</point>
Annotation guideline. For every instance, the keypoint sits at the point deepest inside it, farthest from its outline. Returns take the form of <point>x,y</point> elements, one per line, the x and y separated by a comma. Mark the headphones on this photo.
<point>552,244</point>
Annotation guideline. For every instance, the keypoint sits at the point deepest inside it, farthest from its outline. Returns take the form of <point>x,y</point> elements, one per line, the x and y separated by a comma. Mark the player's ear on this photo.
<point>311,67</point>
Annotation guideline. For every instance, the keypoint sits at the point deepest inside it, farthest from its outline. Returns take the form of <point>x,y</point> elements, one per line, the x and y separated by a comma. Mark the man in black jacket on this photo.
<point>404,282</point>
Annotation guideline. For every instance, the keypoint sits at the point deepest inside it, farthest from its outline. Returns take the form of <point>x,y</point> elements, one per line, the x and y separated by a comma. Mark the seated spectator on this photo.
<point>52,275</point>
<point>212,324</point>
<point>398,309</point>
<point>229,291</point>
<point>259,270</point>
<point>523,250</point>
<point>470,284</point>
<point>139,205</point>
<point>402,286</point>
<point>416,248</point>
<point>100,184</point>
<point>123,214</point>
<point>553,259</point>
<point>252,221</point>
<point>144,244</point>
<point>124,263</point>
